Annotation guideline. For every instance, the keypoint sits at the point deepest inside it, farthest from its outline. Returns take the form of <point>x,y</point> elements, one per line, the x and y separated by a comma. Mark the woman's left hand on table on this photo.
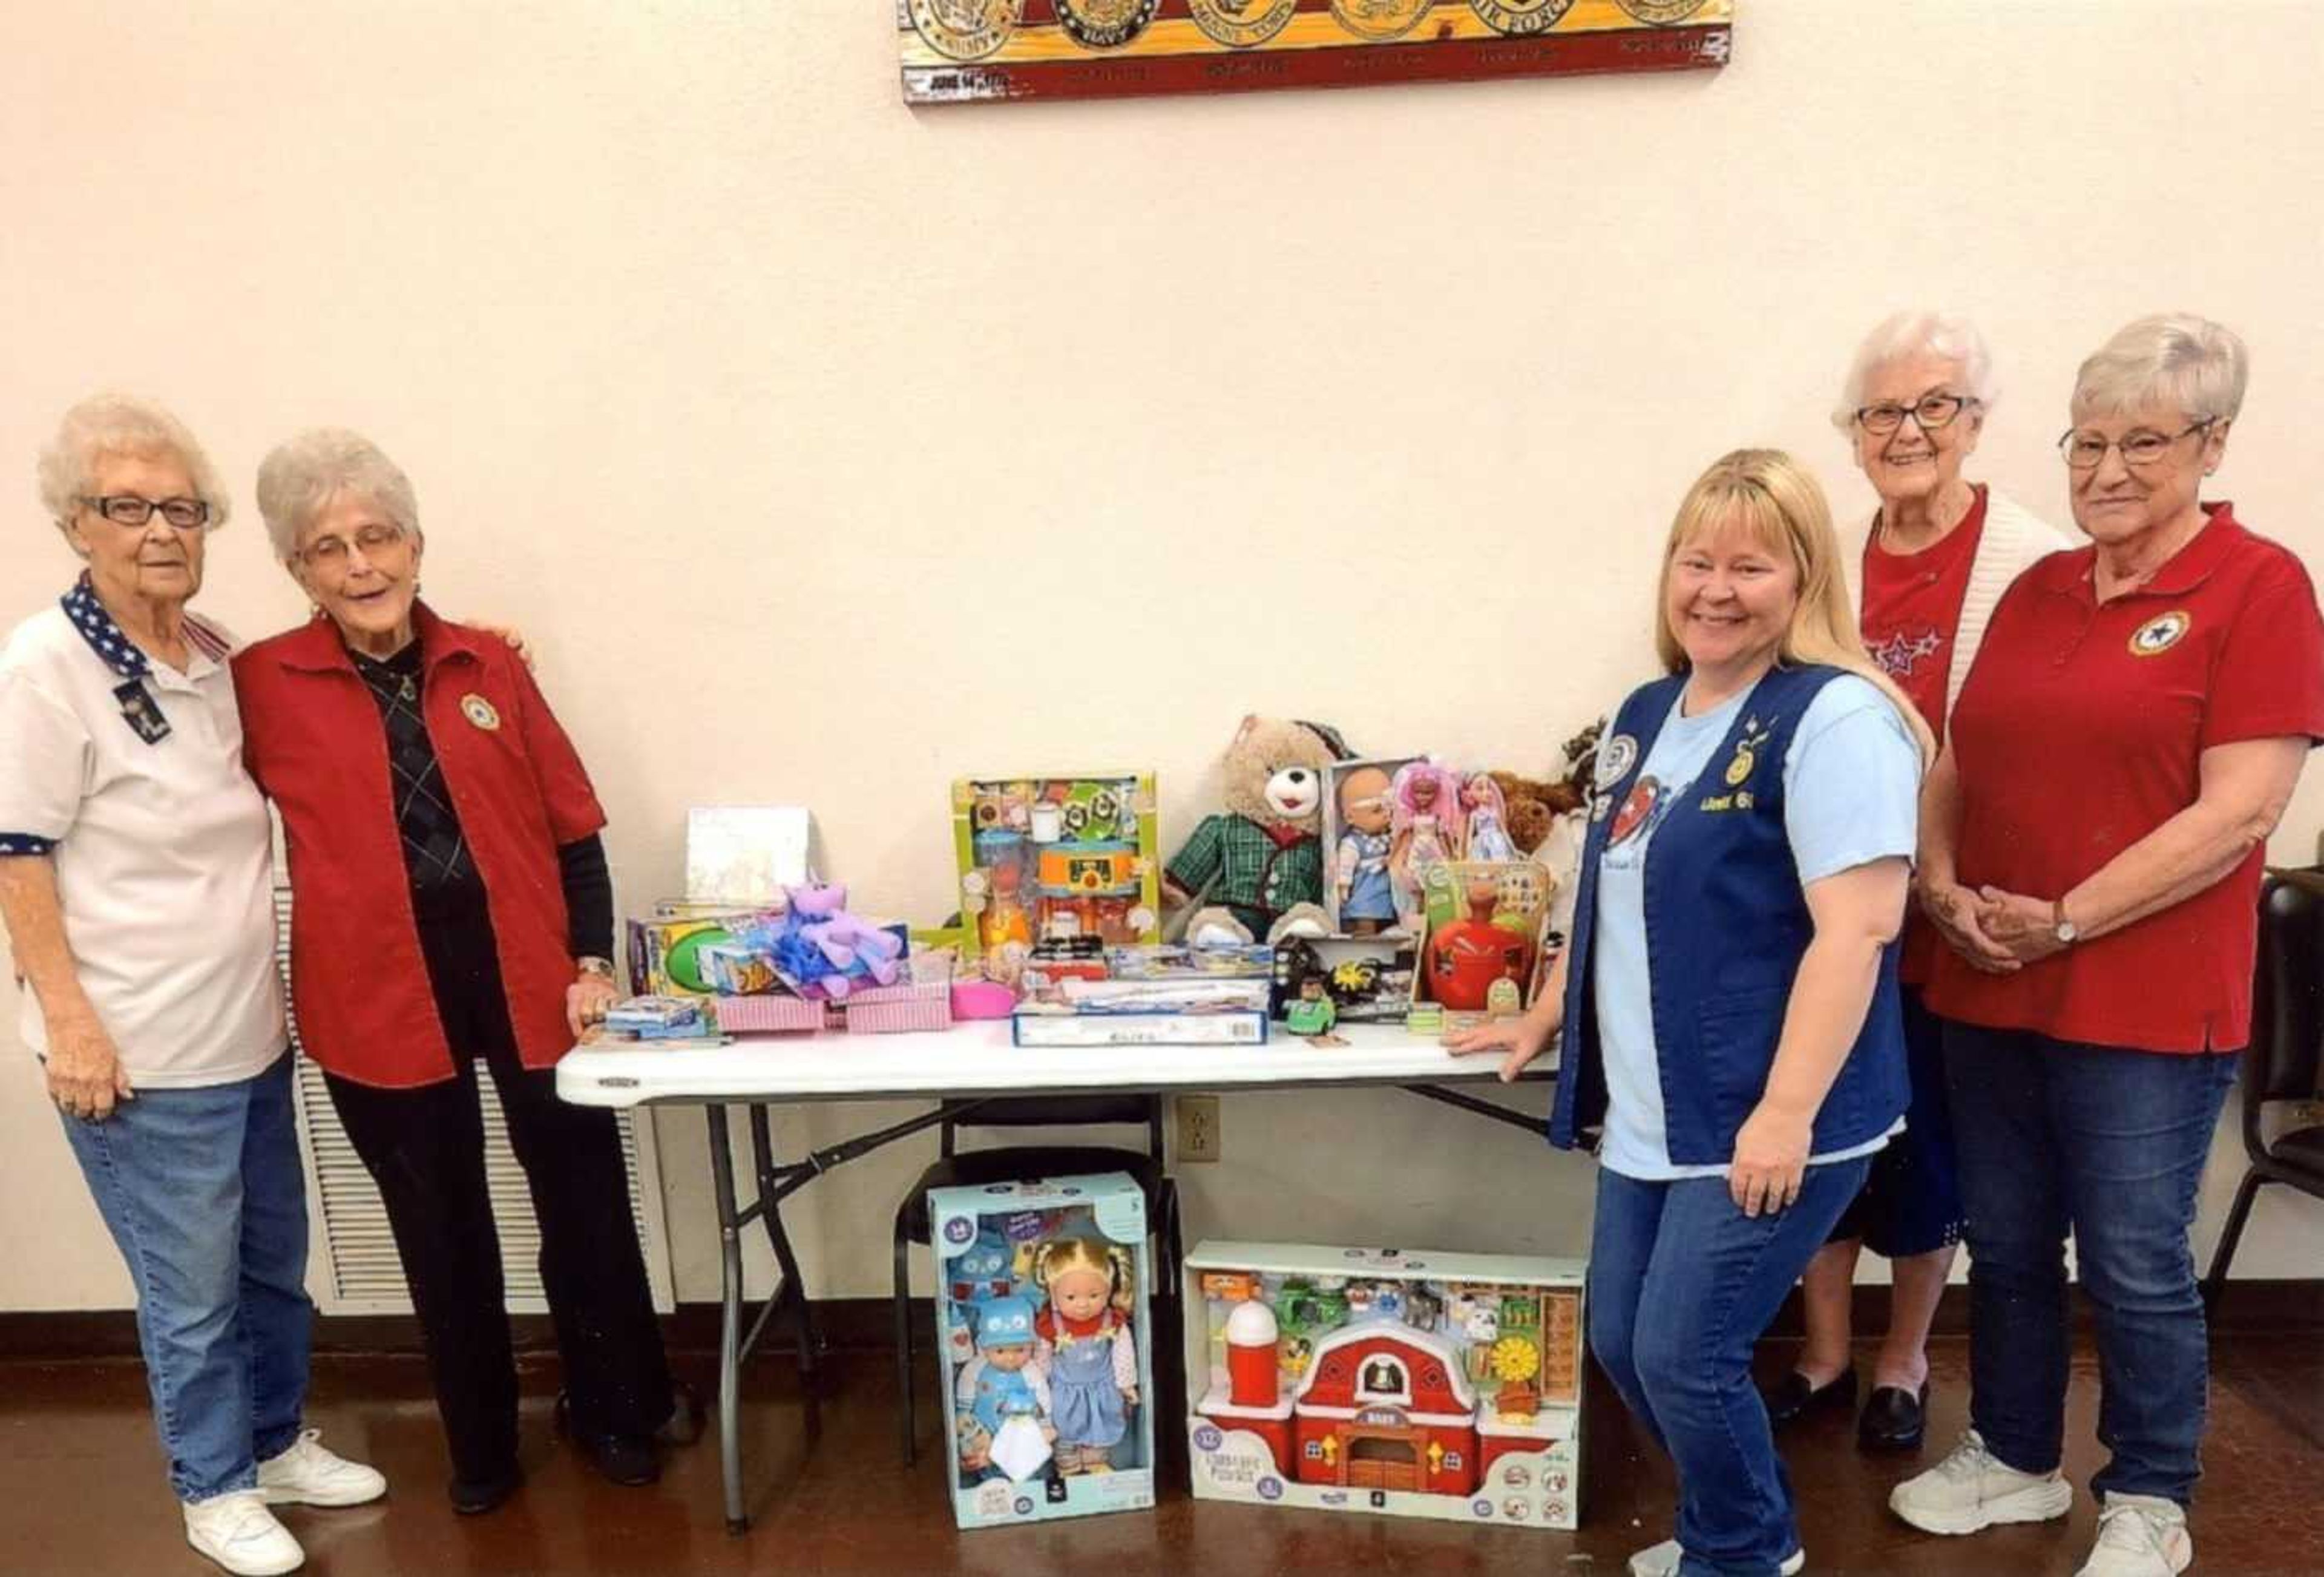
<point>587,1000</point>
<point>1771,1161</point>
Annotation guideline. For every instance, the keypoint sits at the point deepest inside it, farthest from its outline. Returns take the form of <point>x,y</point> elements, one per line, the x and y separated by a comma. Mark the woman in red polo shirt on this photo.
<point>2091,843</point>
<point>1928,569</point>
<point>450,902</point>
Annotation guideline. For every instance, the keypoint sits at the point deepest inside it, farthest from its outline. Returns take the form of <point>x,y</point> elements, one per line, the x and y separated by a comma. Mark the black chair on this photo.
<point>2282,1063</point>
<point>1023,1163</point>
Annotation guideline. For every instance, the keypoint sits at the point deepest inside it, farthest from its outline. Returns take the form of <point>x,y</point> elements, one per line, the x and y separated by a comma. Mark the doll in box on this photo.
<point>1485,826</point>
<point>1006,1427</point>
<point>1423,812</point>
<point>1359,864</point>
<point>1087,1350</point>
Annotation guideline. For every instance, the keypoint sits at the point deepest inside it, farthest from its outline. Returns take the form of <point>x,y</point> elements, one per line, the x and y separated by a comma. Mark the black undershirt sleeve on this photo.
<point>588,897</point>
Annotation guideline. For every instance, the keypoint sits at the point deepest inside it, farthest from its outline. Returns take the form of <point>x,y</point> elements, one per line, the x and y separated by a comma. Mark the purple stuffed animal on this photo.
<point>849,948</point>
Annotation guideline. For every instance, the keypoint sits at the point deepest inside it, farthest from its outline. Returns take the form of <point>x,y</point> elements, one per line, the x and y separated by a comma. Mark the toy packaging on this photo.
<point>1480,945</point>
<point>1056,859</point>
<point>1446,1386</point>
<point>1368,980</point>
<point>1358,892</point>
<point>1045,1346</point>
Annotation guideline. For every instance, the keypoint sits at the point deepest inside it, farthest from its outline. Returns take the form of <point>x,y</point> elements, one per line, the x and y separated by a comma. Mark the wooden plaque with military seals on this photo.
<point>967,51</point>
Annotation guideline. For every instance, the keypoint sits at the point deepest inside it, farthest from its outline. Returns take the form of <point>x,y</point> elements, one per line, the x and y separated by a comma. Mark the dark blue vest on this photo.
<point>1726,923</point>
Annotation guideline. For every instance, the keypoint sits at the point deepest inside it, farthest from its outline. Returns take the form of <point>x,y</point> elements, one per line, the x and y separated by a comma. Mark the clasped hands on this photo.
<point>1997,932</point>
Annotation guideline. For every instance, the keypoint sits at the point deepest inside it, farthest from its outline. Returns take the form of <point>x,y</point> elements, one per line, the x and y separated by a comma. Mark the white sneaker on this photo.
<point>2139,1535</point>
<point>237,1532</point>
<point>1971,1489</point>
<point>310,1474</point>
<point>1663,1561</point>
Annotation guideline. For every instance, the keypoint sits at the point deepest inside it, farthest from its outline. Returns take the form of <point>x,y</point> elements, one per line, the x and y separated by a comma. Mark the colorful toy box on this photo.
<point>1045,1346</point>
<point>1446,1386</point>
<point>1481,953</point>
<point>1054,859</point>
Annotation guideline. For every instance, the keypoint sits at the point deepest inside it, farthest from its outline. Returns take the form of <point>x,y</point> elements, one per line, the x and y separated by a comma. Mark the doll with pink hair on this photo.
<point>1484,820</point>
<point>1424,830</point>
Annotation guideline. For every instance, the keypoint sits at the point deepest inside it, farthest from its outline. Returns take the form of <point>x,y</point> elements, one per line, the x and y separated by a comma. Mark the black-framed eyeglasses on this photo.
<point>331,552</point>
<point>2086,451</point>
<point>127,509</point>
<point>1929,412</point>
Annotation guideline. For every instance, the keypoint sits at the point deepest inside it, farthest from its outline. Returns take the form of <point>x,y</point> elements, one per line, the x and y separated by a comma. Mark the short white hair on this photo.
<point>2166,359</point>
<point>1907,333</point>
<point>302,474</point>
<point>106,425</point>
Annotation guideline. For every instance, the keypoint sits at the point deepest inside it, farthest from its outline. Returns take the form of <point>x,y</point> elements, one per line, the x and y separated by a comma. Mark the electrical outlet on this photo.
<point>1198,1128</point>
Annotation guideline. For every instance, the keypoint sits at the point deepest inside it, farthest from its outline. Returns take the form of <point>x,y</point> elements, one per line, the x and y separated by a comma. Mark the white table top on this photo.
<point>977,1059</point>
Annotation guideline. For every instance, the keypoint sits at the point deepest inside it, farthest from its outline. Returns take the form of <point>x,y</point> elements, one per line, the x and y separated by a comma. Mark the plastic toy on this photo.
<point>1311,1014</point>
<point>1449,1387</point>
<point>1054,859</point>
<point>1086,1349</point>
<point>1465,958</point>
<point>821,951</point>
<point>1363,896</point>
<point>1004,1429</point>
<point>1423,805</point>
<point>1484,832</point>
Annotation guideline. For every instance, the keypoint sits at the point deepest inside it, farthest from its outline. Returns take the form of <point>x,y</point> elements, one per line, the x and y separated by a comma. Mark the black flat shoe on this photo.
<point>1894,1419</point>
<point>1793,1398</point>
<point>683,1427</point>
<point>475,1496</point>
<point>624,1459</point>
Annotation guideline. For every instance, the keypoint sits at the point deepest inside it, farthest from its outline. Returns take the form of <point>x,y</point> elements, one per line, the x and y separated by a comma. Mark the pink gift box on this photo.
<point>771,1014</point>
<point>913,1004</point>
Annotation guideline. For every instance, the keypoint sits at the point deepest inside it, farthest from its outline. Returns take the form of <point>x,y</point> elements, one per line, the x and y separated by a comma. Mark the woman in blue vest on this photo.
<point>1727,1008</point>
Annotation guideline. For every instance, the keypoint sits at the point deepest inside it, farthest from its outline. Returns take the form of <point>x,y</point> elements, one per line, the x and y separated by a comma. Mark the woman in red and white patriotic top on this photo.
<point>2091,843</point>
<point>135,882</point>
<point>1932,564</point>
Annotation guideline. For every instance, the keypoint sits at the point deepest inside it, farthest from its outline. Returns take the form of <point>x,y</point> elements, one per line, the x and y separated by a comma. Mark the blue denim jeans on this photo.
<point>2055,1136</point>
<point>205,1198</point>
<point>1682,1286</point>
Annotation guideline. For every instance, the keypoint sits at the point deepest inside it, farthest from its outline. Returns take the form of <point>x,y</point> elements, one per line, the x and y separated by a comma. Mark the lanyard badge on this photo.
<point>143,712</point>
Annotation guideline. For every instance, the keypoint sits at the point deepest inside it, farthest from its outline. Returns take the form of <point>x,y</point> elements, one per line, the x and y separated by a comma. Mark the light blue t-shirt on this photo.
<point>1852,785</point>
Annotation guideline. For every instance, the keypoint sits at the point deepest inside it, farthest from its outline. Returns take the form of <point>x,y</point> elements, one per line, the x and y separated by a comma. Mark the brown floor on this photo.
<point>84,1492</point>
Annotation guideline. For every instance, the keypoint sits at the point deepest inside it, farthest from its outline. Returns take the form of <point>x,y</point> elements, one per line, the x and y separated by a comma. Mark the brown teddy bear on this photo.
<point>1261,861</point>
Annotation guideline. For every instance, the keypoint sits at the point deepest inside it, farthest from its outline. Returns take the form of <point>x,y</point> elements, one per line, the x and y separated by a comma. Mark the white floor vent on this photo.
<point>362,1272</point>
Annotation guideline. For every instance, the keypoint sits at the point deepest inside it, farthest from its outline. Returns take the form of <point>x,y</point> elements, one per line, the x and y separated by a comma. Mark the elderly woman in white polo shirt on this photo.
<point>135,882</point>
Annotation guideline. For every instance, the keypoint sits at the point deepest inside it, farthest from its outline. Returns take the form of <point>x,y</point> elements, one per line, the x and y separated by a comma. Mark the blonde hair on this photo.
<point>1060,1255</point>
<point>1775,499</point>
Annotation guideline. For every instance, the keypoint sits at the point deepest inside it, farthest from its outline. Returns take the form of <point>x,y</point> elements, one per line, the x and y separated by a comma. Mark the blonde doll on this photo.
<point>1084,1349</point>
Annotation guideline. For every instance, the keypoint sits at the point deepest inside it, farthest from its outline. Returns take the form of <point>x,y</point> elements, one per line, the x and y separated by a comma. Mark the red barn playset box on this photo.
<point>1409,1384</point>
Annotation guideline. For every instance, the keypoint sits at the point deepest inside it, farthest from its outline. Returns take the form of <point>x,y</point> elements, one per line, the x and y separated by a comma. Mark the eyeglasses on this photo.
<point>2086,451</point>
<point>126,509</point>
<point>1929,412</point>
<point>331,552</point>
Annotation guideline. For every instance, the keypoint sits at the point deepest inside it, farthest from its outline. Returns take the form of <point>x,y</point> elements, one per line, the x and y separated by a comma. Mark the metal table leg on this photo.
<point>729,1318</point>
<point>794,1286</point>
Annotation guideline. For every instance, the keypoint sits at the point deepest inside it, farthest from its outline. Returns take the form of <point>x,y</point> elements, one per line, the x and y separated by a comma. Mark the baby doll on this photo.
<point>1485,832</point>
<point>1087,1350</point>
<point>1003,1398</point>
<point>1359,870</point>
<point>1425,814</point>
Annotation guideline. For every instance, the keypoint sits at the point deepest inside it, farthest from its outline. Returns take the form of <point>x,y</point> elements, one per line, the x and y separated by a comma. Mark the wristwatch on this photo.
<point>603,968</point>
<point>2063,928</point>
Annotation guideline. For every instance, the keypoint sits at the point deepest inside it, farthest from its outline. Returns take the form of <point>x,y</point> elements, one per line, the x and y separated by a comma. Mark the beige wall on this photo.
<point>828,450</point>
